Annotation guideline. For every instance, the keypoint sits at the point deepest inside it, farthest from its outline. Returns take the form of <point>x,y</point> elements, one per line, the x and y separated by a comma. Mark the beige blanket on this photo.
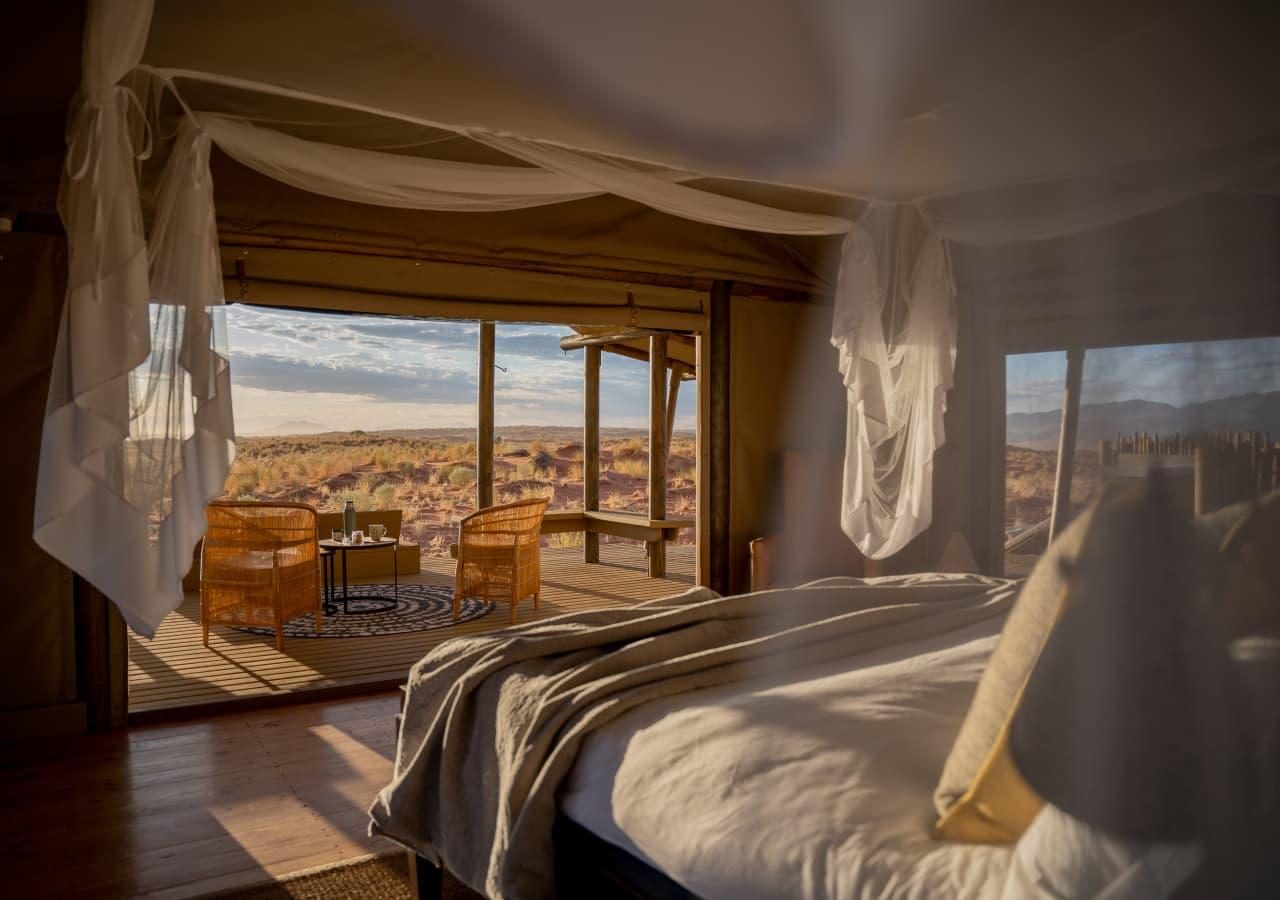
<point>492,723</point>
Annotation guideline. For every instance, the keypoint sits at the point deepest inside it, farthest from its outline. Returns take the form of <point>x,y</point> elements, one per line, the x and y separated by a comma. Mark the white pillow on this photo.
<point>1061,857</point>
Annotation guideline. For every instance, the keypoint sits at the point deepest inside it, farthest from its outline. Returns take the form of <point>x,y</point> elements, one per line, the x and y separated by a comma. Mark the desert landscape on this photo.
<point>1028,478</point>
<point>430,475</point>
<point>1031,458</point>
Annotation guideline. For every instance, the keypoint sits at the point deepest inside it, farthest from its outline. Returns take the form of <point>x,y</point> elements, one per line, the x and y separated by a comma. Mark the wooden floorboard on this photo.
<point>174,670</point>
<point>178,810</point>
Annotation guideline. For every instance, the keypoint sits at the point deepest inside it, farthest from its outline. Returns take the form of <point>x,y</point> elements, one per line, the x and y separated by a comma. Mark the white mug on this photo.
<point>377,531</point>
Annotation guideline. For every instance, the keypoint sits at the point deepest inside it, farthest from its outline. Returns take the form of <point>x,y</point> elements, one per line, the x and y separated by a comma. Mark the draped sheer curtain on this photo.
<point>138,433</point>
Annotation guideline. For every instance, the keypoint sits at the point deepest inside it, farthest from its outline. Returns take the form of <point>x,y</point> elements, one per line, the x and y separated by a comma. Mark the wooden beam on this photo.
<point>657,448</point>
<point>288,294</point>
<point>673,394</point>
<point>484,428</point>
<point>713,454</point>
<point>591,447</point>
<point>702,462</point>
<point>1067,443</point>
<point>235,240</point>
<point>577,342</point>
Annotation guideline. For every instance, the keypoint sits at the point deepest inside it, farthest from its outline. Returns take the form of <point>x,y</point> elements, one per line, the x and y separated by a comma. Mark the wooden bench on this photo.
<point>636,526</point>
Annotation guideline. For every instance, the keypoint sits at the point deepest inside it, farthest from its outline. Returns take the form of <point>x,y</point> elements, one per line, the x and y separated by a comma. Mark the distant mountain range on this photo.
<point>285,427</point>
<point>1103,421</point>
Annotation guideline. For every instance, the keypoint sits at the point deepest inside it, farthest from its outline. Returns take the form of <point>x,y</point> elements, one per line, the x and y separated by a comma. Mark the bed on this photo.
<point>910,736</point>
<point>809,779</point>
<point>814,784</point>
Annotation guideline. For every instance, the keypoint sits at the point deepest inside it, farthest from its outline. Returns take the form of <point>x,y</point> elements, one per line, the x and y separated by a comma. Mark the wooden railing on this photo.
<point>1227,467</point>
<point>635,526</point>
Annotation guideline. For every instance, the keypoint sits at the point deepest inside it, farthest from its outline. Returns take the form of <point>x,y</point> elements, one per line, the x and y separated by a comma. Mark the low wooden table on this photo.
<point>380,602</point>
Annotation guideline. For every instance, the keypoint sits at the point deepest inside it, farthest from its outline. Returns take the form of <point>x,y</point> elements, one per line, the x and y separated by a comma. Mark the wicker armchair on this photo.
<point>499,554</point>
<point>259,567</point>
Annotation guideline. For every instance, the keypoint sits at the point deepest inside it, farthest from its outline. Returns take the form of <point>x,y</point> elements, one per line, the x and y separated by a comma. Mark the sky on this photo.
<point>1176,374</point>
<point>329,372</point>
<point>310,371</point>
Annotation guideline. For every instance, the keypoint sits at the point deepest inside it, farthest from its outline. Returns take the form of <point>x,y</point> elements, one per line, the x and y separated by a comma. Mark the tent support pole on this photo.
<point>484,429</point>
<point>658,450</point>
<point>1067,443</point>
<point>591,449</point>
<point>713,442</point>
<point>673,394</point>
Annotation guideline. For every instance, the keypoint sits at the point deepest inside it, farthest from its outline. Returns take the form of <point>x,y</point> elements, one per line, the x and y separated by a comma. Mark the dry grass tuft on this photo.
<point>431,477</point>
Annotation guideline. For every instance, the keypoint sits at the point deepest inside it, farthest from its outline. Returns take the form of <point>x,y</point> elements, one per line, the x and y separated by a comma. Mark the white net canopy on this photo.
<point>992,128</point>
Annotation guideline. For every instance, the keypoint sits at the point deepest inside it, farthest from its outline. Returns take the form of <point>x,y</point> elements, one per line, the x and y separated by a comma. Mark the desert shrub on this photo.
<point>525,471</point>
<point>244,481</point>
<point>543,461</point>
<point>246,498</point>
<point>459,452</point>
<point>536,491</point>
<point>564,539</point>
<point>444,474</point>
<point>461,476</point>
<point>631,446</point>
<point>636,468</point>
<point>406,468</point>
<point>615,501</point>
<point>684,447</point>
<point>384,495</point>
<point>536,447</point>
<point>575,472</point>
<point>362,500</point>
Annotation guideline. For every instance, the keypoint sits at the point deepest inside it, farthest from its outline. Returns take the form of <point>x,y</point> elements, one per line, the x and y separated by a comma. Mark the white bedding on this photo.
<point>817,785</point>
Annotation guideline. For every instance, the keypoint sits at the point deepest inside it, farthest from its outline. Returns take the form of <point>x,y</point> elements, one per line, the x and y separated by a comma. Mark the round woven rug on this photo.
<point>421,608</point>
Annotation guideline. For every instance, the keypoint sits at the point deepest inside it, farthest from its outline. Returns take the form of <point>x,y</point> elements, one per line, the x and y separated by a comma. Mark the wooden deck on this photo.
<point>174,670</point>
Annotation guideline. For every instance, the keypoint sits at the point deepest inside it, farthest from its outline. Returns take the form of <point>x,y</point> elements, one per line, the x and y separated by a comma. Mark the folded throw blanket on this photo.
<point>492,723</point>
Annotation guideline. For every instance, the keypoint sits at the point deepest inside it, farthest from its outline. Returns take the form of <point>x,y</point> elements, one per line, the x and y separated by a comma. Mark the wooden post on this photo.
<point>484,429</point>
<point>712,348</point>
<point>658,449</point>
<point>1200,503</point>
<point>673,394</point>
<point>591,448</point>
<point>102,658</point>
<point>1067,443</point>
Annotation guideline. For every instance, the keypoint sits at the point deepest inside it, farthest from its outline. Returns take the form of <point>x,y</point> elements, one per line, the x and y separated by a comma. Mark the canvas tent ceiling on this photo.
<point>902,101</point>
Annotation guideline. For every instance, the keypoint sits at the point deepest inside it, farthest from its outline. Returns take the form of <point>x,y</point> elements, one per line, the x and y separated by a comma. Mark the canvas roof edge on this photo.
<point>602,239</point>
<point>633,343</point>
<point>525,297</point>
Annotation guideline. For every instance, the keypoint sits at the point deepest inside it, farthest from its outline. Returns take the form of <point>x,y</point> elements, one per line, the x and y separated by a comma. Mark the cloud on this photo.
<point>363,371</point>
<point>1177,374</point>
<point>347,376</point>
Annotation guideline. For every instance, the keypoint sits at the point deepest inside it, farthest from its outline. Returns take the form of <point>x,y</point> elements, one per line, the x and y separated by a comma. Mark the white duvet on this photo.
<point>816,786</point>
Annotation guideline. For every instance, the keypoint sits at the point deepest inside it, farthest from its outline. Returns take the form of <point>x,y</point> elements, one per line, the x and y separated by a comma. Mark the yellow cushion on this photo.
<point>981,797</point>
